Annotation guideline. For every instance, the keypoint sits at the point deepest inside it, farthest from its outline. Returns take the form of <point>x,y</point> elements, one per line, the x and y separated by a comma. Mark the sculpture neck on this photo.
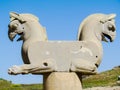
<point>92,34</point>
<point>89,33</point>
<point>34,33</point>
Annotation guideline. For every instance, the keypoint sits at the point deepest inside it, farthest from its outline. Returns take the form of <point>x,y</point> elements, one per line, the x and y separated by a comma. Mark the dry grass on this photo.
<point>108,78</point>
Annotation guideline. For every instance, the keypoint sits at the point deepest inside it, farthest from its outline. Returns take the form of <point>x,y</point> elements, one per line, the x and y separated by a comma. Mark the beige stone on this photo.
<point>62,81</point>
<point>42,56</point>
<point>59,61</point>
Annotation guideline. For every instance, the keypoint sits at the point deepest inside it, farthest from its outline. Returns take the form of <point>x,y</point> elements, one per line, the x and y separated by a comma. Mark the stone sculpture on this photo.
<point>82,56</point>
<point>58,59</point>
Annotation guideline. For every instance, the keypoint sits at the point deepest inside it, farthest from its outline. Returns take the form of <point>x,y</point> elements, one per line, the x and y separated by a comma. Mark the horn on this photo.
<point>107,17</point>
<point>13,15</point>
<point>111,16</point>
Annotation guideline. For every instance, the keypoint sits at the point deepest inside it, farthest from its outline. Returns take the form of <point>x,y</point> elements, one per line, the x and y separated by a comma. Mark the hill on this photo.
<point>107,78</point>
<point>7,85</point>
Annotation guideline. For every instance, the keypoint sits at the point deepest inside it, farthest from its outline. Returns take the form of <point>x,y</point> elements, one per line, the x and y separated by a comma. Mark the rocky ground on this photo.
<point>104,88</point>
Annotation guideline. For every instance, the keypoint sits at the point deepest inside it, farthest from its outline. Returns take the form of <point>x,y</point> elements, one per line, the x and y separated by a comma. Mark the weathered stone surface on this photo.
<point>62,81</point>
<point>59,61</point>
<point>40,56</point>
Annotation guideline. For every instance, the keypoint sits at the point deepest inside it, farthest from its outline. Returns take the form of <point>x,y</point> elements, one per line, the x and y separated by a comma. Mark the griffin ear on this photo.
<point>111,16</point>
<point>107,18</point>
<point>13,15</point>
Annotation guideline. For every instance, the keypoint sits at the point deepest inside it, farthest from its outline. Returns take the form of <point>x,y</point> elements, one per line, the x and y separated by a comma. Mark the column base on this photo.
<point>62,81</point>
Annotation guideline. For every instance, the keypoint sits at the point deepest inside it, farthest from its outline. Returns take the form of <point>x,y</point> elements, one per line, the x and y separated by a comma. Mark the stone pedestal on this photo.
<point>62,81</point>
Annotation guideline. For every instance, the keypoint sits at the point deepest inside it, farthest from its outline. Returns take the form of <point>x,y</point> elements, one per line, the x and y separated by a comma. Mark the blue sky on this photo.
<point>61,19</point>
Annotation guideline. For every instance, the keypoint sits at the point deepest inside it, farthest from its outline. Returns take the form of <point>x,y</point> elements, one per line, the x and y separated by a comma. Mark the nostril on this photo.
<point>14,26</point>
<point>11,28</point>
<point>111,28</point>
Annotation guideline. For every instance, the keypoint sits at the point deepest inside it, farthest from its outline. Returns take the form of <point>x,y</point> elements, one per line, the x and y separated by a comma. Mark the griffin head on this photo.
<point>15,26</point>
<point>20,24</point>
<point>109,28</point>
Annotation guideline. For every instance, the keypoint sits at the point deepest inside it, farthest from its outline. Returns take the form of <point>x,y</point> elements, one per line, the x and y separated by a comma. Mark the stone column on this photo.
<point>62,81</point>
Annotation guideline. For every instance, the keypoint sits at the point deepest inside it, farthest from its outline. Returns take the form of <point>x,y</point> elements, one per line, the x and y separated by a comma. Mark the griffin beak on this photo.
<point>105,37</point>
<point>113,38</point>
<point>11,35</point>
<point>19,39</point>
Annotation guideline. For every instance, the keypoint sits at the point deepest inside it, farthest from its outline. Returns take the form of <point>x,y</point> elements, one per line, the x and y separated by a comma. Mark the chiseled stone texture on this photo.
<point>62,81</point>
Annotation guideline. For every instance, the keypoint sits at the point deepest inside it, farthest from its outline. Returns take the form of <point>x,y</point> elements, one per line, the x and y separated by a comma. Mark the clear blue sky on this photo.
<point>61,19</point>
